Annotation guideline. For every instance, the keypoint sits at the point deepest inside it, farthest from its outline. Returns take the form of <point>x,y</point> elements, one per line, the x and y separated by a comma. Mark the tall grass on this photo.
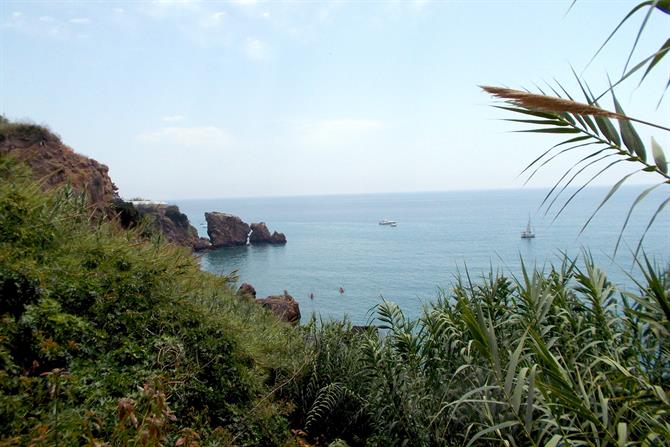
<point>553,358</point>
<point>107,338</point>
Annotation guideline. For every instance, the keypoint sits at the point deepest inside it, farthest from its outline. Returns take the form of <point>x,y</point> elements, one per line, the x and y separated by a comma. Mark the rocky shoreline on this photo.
<point>57,164</point>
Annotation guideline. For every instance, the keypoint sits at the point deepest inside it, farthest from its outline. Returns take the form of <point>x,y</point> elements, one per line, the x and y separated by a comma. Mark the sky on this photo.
<point>204,99</point>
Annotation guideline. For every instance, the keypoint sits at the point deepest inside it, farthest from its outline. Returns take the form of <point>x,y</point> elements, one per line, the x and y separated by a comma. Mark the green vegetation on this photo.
<point>109,338</point>
<point>29,133</point>
<point>556,358</point>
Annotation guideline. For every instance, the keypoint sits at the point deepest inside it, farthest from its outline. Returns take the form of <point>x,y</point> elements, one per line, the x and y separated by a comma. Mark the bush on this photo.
<point>99,324</point>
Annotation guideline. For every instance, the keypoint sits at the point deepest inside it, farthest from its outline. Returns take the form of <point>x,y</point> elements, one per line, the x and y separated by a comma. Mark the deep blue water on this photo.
<point>335,241</point>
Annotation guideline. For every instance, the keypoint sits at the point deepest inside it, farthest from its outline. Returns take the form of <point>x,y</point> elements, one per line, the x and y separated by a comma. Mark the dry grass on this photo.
<point>547,103</point>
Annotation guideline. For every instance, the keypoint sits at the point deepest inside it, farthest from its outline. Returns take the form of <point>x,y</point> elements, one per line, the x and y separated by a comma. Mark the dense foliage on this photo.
<point>562,358</point>
<point>109,338</point>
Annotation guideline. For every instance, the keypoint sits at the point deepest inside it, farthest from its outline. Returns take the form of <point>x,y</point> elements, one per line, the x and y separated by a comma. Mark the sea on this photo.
<point>335,242</point>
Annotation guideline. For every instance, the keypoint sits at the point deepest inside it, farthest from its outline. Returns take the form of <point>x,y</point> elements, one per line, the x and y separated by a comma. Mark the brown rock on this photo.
<point>202,244</point>
<point>277,238</point>
<point>226,230</point>
<point>259,233</point>
<point>247,289</point>
<point>283,306</point>
<point>174,225</point>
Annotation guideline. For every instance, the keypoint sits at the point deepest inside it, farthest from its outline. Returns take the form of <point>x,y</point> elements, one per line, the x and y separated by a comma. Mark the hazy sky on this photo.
<point>240,98</point>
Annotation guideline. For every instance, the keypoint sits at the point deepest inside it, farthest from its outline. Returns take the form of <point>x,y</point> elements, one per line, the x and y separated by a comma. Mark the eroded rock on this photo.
<point>283,306</point>
<point>261,235</point>
<point>277,238</point>
<point>247,289</point>
<point>226,230</point>
<point>174,225</point>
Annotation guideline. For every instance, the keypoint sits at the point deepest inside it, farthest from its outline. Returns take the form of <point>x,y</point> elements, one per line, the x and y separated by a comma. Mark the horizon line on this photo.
<point>379,193</point>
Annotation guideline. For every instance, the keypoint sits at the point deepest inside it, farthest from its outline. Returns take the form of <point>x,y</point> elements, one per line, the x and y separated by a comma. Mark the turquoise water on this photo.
<point>335,241</point>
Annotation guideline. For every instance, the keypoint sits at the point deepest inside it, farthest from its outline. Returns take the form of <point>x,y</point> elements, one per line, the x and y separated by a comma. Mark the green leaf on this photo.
<point>513,363</point>
<point>574,176</point>
<point>528,418</point>
<point>518,389</point>
<point>627,75</point>
<point>495,428</point>
<point>608,130</point>
<point>547,161</point>
<point>639,33</point>
<point>657,58</point>
<point>630,137</point>
<point>554,130</point>
<point>630,13</point>
<point>639,198</point>
<point>659,156</point>
<point>607,197</point>
<point>553,442</point>
<point>540,122</point>
<point>596,175</point>
<point>622,433</point>
<point>571,140</point>
<point>547,115</point>
<point>651,221</point>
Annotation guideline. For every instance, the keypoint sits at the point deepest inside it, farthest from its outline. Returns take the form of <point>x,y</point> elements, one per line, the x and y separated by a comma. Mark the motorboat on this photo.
<point>527,233</point>
<point>388,222</point>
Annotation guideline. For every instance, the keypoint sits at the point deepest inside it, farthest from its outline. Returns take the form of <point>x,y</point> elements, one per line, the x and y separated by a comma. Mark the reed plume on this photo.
<point>547,103</point>
<point>552,104</point>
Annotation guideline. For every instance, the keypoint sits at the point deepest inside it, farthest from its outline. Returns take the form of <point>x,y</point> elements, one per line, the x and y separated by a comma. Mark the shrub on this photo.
<point>92,313</point>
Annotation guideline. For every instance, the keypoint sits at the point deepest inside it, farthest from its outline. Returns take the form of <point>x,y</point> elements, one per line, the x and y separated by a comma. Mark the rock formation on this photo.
<point>55,164</point>
<point>174,225</point>
<point>261,235</point>
<point>278,238</point>
<point>283,306</point>
<point>247,289</point>
<point>226,230</point>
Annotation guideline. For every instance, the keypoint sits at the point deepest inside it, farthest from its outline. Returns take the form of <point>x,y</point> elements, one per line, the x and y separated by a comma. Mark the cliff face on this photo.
<point>54,163</point>
<point>174,225</point>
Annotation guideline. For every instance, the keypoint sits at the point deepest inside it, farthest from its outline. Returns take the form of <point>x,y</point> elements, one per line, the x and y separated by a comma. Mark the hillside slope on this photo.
<point>111,339</point>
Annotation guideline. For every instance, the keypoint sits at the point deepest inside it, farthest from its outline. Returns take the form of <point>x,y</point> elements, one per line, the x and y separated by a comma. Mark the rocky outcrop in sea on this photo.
<point>226,230</point>
<point>261,235</point>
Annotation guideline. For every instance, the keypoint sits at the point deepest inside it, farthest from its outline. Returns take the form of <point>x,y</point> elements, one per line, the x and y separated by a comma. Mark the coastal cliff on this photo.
<point>53,163</point>
<point>174,225</point>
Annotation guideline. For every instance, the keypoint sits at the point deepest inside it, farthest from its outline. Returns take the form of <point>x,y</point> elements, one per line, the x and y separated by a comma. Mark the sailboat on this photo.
<point>528,232</point>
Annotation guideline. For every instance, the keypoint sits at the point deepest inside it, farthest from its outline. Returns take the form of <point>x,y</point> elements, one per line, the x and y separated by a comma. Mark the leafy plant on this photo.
<point>589,128</point>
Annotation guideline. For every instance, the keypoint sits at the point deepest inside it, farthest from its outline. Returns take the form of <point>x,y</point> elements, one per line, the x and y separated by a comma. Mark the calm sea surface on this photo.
<point>335,241</point>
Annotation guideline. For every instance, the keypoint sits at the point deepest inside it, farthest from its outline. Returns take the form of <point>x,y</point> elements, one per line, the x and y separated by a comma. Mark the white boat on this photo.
<point>387,222</point>
<point>528,232</point>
